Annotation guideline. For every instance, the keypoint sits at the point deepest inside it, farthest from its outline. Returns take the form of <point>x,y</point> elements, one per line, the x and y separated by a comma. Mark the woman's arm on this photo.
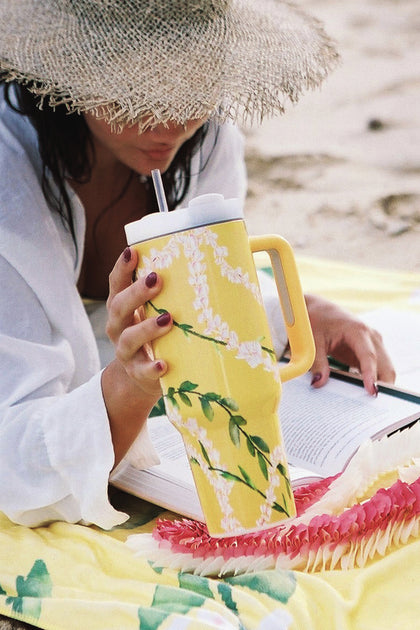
<point>58,443</point>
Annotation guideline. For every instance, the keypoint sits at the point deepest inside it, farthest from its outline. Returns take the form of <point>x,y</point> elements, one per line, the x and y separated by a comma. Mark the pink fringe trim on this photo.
<point>389,518</point>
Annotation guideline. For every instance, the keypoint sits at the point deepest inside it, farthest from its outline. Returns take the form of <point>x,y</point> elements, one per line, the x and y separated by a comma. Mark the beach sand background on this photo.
<point>339,174</point>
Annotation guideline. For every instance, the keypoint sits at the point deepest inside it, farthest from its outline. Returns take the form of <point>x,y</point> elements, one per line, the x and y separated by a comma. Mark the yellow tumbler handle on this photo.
<point>299,332</point>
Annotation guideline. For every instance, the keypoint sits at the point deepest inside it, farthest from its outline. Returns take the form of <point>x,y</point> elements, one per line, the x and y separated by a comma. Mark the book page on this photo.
<point>170,483</point>
<point>322,428</point>
<point>400,332</point>
<point>169,444</point>
<point>302,476</point>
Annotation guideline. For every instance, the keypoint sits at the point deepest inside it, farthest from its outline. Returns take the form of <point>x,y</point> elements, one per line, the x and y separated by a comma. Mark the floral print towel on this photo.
<point>69,577</point>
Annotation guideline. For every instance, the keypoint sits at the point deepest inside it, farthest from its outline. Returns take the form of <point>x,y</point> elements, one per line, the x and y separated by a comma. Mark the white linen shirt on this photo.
<point>55,444</point>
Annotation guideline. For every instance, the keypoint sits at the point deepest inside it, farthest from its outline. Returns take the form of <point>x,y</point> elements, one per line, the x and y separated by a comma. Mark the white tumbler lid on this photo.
<point>202,210</point>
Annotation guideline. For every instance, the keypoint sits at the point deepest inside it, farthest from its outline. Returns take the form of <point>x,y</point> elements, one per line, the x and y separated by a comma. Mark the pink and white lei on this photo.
<point>342,522</point>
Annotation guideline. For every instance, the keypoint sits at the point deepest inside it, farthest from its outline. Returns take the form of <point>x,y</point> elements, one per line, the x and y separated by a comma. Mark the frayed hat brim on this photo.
<point>131,60</point>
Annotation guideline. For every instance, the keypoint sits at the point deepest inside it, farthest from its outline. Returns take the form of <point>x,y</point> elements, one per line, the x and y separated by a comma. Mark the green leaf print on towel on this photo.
<point>195,583</point>
<point>31,590</point>
<point>279,585</point>
<point>225,592</point>
<point>151,618</point>
<point>168,600</point>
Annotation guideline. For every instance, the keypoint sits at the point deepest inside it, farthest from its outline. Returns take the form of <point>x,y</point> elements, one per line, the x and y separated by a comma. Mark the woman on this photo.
<point>99,93</point>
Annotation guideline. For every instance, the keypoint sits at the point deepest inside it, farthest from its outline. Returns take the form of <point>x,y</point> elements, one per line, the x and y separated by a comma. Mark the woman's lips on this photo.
<point>159,153</point>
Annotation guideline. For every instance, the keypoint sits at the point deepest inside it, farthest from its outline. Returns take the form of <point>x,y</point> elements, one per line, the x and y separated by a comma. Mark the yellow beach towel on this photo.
<point>72,577</point>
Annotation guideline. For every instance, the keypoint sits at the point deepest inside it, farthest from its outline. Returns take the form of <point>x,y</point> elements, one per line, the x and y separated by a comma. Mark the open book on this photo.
<point>322,429</point>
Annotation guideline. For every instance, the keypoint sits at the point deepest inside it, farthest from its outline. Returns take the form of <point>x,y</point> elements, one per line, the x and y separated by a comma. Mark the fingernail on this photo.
<point>151,280</point>
<point>316,377</point>
<point>375,390</point>
<point>127,255</point>
<point>164,319</point>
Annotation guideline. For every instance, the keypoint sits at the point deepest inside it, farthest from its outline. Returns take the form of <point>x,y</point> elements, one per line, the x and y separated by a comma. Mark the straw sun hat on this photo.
<point>161,60</point>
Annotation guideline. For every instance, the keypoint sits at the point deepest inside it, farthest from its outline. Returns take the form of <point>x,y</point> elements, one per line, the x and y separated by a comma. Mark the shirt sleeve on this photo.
<point>55,445</point>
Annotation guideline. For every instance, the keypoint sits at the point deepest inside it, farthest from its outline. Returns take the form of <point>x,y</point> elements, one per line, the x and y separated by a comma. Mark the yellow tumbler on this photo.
<point>223,384</point>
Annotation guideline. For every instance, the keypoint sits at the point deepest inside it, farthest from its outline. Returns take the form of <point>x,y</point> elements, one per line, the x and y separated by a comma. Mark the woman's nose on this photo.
<point>167,133</point>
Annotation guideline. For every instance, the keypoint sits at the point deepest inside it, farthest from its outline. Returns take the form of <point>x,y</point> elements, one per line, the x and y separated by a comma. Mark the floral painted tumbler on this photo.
<point>223,384</point>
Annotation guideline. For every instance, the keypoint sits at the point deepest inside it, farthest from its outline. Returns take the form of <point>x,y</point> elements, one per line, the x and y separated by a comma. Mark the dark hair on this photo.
<point>65,146</point>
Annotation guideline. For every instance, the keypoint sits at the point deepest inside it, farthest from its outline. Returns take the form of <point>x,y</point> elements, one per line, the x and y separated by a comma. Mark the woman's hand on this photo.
<point>345,338</point>
<point>130,383</point>
<point>130,333</point>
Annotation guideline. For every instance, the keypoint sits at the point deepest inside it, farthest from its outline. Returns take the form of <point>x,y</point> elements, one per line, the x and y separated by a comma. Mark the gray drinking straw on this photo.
<point>160,193</point>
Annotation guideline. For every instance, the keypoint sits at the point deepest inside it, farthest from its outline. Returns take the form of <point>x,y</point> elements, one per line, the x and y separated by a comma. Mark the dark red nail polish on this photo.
<point>127,255</point>
<point>164,319</point>
<point>151,280</point>
<point>316,377</point>
<point>375,390</point>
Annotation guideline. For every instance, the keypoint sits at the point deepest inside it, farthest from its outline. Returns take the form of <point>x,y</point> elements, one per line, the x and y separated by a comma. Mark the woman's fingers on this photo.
<point>320,367</point>
<point>348,340</point>
<point>384,368</point>
<point>121,275</point>
<point>128,329</point>
<point>126,297</point>
<point>353,346</point>
<point>140,335</point>
<point>366,358</point>
<point>133,351</point>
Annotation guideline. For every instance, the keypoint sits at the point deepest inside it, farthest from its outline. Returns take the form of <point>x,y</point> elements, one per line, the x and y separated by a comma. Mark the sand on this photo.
<point>339,174</point>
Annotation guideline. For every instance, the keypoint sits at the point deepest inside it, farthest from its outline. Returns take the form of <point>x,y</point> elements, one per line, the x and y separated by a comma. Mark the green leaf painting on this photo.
<point>256,446</point>
<point>262,464</point>
<point>213,396</point>
<point>158,409</point>
<point>251,447</point>
<point>188,330</point>
<point>187,386</point>
<point>260,443</point>
<point>234,433</point>
<point>185,399</point>
<point>245,475</point>
<point>207,408</point>
<point>229,403</point>
<point>205,454</point>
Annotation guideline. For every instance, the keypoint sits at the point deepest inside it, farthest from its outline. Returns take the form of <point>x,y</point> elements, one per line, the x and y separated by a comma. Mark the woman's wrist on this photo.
<point>127,406</point>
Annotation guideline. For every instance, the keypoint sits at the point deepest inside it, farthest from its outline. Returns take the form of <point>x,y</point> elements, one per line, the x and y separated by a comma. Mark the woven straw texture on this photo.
<point>164,60</point>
